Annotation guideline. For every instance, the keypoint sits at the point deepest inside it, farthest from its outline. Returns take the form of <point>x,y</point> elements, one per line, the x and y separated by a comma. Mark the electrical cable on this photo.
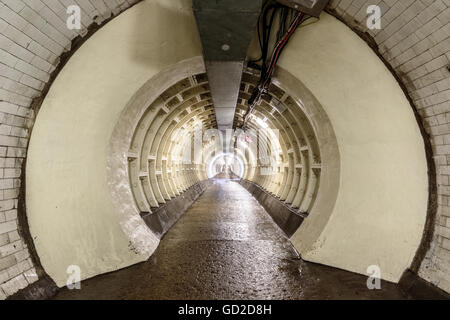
<point>282,39</point>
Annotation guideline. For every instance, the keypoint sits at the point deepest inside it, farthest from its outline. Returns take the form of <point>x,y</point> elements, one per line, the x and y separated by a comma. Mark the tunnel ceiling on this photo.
<point>225,28</point>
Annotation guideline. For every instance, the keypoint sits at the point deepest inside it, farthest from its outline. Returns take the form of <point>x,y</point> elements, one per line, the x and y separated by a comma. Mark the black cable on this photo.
<point>267,28</point>
<point>262,39</point>
<point>258,24</point>
<point>282,23</point>
<point>282,38</point>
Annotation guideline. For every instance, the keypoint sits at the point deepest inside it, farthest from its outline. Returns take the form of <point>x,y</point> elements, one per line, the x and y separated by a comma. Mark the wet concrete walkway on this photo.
<point>227,247</point>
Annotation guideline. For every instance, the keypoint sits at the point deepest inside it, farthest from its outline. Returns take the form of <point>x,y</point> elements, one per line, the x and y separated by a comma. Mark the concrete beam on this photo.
<point>226,28</point>
<point>224,81</point>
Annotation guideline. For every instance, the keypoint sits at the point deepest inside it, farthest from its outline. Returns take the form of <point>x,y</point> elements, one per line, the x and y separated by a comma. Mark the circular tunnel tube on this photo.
<point>349,144</point>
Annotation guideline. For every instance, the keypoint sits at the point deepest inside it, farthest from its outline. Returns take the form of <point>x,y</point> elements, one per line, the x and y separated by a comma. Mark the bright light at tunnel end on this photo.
<point>251,148</point>
<point>210,171</point>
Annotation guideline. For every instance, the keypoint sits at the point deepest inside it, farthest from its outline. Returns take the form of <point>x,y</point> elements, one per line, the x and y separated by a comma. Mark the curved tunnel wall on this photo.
<point>378,196</point>
<point>145,136</point>
<point>421,61</point>
<point>81,225</point>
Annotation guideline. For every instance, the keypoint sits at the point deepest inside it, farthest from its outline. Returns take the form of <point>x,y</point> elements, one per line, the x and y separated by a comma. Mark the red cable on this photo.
<point>283,42</point>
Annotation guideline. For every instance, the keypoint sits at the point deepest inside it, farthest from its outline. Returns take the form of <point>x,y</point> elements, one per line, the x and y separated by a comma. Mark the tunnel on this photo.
<point>130,174</point>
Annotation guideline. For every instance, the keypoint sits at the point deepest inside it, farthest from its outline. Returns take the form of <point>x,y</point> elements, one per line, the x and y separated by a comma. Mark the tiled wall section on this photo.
<point>414,38</point>
<point>33,35</point>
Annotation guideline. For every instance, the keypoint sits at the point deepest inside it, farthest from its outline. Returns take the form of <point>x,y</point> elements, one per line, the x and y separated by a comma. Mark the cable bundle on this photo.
<point>282,40</point>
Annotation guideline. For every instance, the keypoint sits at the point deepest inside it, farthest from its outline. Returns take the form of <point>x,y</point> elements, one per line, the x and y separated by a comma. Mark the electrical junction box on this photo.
<point>310,7</point>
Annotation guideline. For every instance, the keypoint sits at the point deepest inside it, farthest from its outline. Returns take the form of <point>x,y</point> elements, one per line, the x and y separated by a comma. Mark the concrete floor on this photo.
<point>227,247</point>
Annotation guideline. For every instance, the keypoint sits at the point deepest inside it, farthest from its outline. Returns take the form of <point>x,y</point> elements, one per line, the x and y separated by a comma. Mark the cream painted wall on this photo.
<point>380,211</point>
<point>69,206</point>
